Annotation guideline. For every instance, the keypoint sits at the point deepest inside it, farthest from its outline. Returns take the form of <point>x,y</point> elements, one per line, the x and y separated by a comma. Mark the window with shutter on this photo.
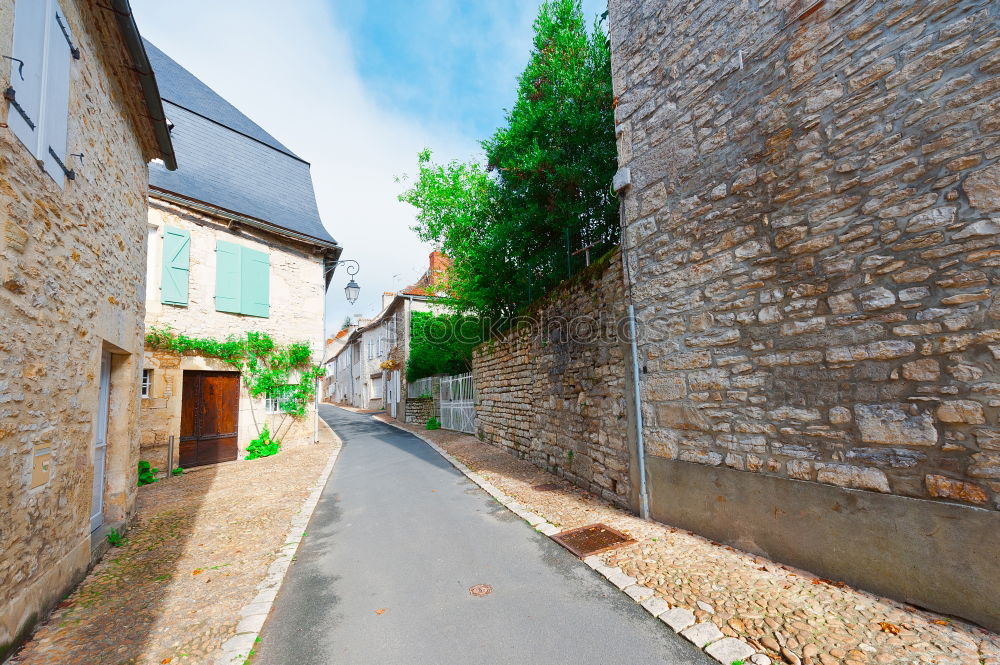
<point>26,69</point>
<point>176,266</point>
<point>227,277</point>
<point>242,280</point>
<point>55,100</point>
<point>38,95</point>
<point>255,283</point>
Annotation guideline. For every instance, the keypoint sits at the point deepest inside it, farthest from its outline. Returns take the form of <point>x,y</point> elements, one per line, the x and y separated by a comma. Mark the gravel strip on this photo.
<point>199,568</point>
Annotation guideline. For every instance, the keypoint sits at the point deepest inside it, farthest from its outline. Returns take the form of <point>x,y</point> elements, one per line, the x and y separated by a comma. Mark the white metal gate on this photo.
<point>100,444</point>
<point>458,406</point>
<point>420,387</point>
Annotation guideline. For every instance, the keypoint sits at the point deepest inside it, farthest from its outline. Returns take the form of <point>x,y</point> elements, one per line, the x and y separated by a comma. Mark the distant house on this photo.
<point>369,370</point>
<point>80,120</point>
<point>236,244</point>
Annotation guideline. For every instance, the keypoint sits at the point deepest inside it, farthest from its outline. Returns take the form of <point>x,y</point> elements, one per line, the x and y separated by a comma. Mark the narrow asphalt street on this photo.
<point>394,546</point>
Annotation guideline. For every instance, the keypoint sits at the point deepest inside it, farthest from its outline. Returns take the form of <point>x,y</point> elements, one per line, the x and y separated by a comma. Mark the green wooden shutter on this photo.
<point>227,276</point>
<point>256,283</point>
<point>176,266</point>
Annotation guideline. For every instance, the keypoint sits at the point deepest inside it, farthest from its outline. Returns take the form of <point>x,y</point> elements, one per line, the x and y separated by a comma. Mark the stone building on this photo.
<point>811,195</point>
<point>236,244</point>
<point>80,120</point>
<point>368,370</point>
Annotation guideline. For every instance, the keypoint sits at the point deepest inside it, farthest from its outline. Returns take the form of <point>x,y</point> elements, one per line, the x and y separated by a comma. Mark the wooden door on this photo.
<point>209,418</point>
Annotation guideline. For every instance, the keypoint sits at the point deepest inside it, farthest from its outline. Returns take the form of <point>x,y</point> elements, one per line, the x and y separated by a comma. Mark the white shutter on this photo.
<point>56,100</point>
<point>29,48</point>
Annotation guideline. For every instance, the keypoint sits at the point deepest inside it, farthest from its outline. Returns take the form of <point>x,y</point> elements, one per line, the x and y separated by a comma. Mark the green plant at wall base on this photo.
<point>433,423</point>
<point>263,446</point>
<point>179,471</point>
<point>114,538</point>
<point>147,473</point>
<point>265,366</point>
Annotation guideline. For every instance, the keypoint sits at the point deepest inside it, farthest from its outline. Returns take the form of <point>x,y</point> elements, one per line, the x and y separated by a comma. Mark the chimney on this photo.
<point>387,297</point>
<point>439,263</point>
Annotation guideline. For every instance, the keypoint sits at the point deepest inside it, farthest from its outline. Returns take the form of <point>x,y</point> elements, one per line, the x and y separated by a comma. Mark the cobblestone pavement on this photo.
<point>794,616</point>
<point>200,545</point>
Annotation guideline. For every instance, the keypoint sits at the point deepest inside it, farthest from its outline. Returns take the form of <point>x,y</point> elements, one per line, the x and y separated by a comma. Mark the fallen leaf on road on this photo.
<point>165,661</point>
<point>888,628</point>
<point>197,571</point>
<point>380,612</point>
<point>940,622</point>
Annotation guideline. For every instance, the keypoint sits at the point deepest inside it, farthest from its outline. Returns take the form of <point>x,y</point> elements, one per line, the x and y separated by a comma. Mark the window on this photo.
<point>147,382</point>
<point>176,266</point>
<point>39,83</point>
<point>242,280</point>
<point>279,398</point>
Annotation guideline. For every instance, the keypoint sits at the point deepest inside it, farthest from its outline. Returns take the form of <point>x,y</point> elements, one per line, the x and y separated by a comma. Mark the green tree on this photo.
<point>511,226</point>
<point>441,344</point>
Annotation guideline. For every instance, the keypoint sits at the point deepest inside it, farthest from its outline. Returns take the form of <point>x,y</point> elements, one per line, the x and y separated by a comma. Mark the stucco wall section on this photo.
<point>812,226</point>
<point>72,269</point>
<point>296,281</point>
<point>552,390</point>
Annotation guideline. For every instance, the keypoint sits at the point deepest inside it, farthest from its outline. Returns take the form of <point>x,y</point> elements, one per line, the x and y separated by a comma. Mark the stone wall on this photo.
<point>552,391</point>
<point>419,409</point>
<point>812,230</point>
<point>296,315</point>
<point>71,258</point>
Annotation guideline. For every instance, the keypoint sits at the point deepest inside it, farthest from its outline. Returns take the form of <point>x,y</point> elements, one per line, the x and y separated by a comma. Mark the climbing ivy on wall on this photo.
<point>265,367</point>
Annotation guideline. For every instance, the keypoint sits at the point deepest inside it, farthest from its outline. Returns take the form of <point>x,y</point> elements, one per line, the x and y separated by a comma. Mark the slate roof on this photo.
<point>226,160</point>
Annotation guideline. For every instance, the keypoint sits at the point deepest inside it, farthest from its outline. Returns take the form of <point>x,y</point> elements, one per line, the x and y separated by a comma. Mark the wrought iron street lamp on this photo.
<point>352,290</point>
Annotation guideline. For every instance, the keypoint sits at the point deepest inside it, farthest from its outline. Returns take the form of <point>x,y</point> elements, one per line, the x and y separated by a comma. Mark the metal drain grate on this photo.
<point>592,539</point>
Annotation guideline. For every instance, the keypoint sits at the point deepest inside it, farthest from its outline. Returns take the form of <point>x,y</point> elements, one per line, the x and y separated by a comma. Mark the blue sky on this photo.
<point>357,88</point>
<point>446,61</point>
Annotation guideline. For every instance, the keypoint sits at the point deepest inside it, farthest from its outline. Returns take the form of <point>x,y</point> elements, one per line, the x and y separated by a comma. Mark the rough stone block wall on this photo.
<point>552,391</point>
<point>812,226</point>
<point>419,409</point>
<point>71,258</point>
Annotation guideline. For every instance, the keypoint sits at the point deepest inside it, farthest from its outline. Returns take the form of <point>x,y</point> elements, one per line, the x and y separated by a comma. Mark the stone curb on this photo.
<point>705,636</point>
<point>236,650</point>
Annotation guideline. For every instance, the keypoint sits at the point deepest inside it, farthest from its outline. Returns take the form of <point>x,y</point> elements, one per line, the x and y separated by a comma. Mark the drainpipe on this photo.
<point>637,394</point>
<point>621,182</point>
<point>322,355</point>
